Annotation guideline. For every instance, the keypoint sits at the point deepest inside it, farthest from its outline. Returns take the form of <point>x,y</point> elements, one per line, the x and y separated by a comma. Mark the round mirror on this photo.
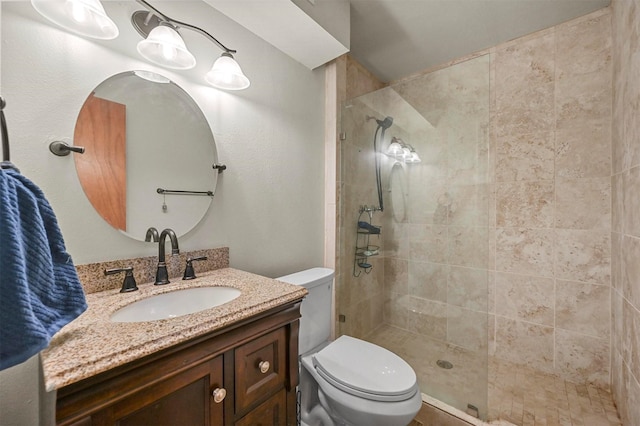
<point>149,154</point>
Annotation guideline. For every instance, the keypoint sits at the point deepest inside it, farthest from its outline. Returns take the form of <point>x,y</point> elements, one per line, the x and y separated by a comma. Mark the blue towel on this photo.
<point>39,287</point>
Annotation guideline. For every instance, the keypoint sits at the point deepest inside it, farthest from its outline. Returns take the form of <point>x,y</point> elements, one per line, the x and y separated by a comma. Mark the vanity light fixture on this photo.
<point>84,17</point>
<point>164,46</point>
<point>400,150</point>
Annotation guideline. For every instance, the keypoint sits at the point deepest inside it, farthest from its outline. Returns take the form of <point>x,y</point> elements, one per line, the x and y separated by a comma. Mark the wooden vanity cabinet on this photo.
<point>244,375</point>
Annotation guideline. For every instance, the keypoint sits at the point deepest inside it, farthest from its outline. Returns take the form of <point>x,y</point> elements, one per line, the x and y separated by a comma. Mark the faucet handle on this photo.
<point>189,273</point>
<point>129,283</point>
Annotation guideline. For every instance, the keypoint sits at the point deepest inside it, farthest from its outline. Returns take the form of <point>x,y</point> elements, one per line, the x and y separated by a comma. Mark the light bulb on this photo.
<point>169,52</point>
<point>77,11</point>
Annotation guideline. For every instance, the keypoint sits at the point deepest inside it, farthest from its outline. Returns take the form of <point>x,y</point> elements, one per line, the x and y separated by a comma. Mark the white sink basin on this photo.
<point>175,304</point>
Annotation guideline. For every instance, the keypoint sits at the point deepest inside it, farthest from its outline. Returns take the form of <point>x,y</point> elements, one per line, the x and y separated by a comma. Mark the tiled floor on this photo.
<point>525,397</point>
<point>516,394</point>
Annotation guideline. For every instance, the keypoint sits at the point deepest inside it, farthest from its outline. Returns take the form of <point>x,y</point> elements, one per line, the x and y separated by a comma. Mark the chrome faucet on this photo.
<point>162,276</point>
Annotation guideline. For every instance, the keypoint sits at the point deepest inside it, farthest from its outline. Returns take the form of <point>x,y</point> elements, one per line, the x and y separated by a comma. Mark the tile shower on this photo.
<point>496,248</point>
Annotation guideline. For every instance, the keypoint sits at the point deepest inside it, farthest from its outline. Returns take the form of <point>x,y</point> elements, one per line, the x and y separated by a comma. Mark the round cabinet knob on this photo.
<point>218,395</point>
<point>264,366</point>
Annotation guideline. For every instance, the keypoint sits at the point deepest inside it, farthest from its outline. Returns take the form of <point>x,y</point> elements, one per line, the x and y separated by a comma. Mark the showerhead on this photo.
<point>386,123</point>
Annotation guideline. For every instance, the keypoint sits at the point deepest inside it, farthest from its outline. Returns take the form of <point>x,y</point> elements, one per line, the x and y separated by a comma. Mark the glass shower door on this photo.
<point>426,295</point>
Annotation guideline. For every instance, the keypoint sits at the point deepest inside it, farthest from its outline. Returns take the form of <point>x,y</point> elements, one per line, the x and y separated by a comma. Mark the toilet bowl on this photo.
<point>347,381</point>
<point>363,384</point>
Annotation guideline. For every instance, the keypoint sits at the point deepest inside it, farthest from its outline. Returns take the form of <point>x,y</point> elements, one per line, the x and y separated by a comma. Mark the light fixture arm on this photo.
<point>184,25</point>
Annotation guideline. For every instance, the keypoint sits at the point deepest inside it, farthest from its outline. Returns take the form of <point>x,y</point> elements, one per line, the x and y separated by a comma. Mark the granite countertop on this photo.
<point>92,344</point>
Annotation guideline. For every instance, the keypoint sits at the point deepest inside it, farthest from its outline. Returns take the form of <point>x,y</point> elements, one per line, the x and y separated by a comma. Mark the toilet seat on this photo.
<point>365,370</point>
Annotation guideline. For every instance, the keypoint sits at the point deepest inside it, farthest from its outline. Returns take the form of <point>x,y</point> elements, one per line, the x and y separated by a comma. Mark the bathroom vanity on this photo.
<point>235,364</point>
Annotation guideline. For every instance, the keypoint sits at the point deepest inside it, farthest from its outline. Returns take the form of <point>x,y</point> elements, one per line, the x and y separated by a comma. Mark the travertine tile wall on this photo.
<point>550,233</point>
<point>360,299</point>
<point>551,125</point>
<point>625,236</point>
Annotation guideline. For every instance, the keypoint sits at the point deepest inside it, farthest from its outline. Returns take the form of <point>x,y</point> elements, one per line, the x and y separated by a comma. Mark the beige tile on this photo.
<point>397,310</point>
<point>525,251</point>
<point>631,269</point>
<point>359,80</point>
<point>428,318</point>
<point>617,203</point>
<point>583,203</point>
<point>525,157</point>
<point>584,151</point>
<point>396,240</point>
<point>583,98</point>
<point>529,110</point>
<point>581,358</point>
<point>427,203</point>
<point>396,275</point>
<point>428,243</point>
<point>525,204</point>
<point>428,280</point>
<point>631,208</point>
<point>618,384</point>
<point>583,308</point>
<point>619,144</point>
<point>468,288</point>
<point>525,64</point>
<point>583,256</point>
<point>491,289</point>
<point>467,328</point>
<point>491,333</point>
<point>470,205</point>
<point>467,145</point>
<point>524,343</point>
<point>631,338</point>
<point>633,392</point>
<point>526,298</point>
<point>468,246</point>
<point>617,320</point>
<point>584,47</point>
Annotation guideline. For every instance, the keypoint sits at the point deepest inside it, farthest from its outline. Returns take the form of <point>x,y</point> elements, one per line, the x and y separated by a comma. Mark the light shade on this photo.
<point>84,17</point>
<point>226,74</point>
<point>165,47</point>
<point>413,158</point>
<point>395,149</point>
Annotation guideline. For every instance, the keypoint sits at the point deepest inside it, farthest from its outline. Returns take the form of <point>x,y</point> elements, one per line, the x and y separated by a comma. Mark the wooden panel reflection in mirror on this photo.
<point>101,129</point>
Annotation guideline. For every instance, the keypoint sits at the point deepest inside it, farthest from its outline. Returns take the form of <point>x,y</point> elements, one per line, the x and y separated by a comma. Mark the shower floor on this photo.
<point>516,394</point>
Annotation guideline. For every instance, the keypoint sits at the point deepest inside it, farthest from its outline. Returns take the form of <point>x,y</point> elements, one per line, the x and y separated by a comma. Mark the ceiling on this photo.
<point>396,38</point>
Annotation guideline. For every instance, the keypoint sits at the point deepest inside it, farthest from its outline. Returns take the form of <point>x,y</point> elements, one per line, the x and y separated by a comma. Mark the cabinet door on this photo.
<point>272,412</point>
<point>183,399</point>
<point>261,368</point>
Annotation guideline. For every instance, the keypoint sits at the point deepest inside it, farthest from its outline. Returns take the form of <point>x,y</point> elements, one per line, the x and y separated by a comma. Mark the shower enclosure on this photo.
<point>419,286</point>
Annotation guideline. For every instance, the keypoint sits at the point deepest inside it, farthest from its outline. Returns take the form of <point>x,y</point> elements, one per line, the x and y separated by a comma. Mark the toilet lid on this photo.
<point>367,370</point>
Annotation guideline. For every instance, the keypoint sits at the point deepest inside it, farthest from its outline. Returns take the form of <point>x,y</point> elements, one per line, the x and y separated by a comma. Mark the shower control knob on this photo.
<point>264,366</point>
<point>218,395</point>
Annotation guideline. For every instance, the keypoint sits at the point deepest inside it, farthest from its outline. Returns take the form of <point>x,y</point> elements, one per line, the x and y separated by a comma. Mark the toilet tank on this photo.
<point>315,324</point>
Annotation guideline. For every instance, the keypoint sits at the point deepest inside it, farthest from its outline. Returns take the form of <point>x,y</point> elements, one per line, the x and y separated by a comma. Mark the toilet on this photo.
<point>347,381</point>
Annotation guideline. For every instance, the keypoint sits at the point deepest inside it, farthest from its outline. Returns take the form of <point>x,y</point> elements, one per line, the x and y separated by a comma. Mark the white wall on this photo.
<point>268,206</point>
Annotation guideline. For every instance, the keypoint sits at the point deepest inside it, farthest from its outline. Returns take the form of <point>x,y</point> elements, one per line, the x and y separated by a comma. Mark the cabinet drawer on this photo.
<point>260,368</point>
<point>272,412</point>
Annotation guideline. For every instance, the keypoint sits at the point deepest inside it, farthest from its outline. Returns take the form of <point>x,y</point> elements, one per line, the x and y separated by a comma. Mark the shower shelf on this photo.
<point>367,251</point>
<point>364,250</point>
